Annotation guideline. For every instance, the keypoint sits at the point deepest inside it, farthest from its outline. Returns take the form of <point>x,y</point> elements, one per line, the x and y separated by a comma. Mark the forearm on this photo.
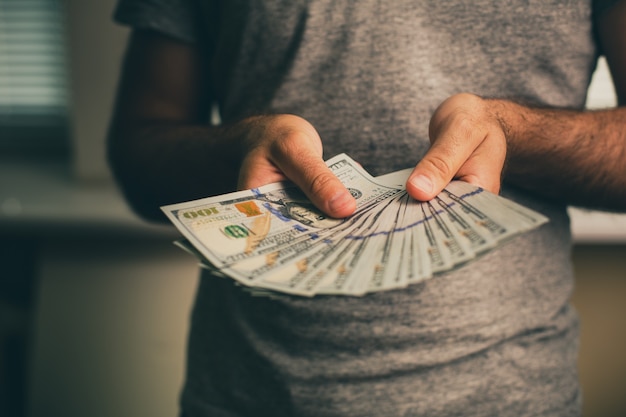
<point>161,151</point>
<point>578,157</point>
<point>160,163</point>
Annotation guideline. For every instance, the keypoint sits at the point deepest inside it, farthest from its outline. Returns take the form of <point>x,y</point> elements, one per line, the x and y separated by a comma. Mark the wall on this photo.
<point>599,298</point>
<point>95,48</point>
<point>111,328</point>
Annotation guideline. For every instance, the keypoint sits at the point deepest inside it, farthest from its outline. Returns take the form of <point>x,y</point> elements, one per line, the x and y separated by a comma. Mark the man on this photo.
<point>388,83</point>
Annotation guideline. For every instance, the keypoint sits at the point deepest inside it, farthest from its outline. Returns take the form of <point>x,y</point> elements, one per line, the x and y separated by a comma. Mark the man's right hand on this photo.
<point>162,149</point>
<point>279,147</point>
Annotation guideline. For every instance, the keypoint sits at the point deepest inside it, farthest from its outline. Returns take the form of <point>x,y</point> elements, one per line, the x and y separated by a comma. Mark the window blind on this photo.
<point>33,91</point>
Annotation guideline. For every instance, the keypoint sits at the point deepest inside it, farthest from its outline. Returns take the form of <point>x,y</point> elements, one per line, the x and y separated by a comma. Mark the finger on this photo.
<point>256,170</point>
<point>302,164</point>
<point>440,164</point>
<point>289,147</point>
<point>484,168</point>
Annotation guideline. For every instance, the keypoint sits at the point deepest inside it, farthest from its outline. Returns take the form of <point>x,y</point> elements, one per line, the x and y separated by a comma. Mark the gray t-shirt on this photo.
<point>496,337</point>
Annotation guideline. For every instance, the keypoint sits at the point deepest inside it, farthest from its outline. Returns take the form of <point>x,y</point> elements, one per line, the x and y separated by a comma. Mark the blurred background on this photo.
<point>94,303</point>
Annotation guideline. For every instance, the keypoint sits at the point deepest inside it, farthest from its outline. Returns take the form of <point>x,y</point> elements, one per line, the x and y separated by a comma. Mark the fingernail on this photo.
<point>340,201</point>
<point>423,183</point>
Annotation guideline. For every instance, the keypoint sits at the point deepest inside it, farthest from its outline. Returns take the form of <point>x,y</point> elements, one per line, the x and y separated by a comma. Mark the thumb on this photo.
<point>309,172</point>
<point>297,153</point>
<point>433,173</point>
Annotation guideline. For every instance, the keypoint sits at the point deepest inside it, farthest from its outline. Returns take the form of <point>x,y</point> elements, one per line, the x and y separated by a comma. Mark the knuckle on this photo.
<point>465,124</point>
<point>440,166</point>
<point>289,137</point>
<point>462,118</point>
<point>467,101</point>
<point>320,182</point>
<point>286,144</point>
<point>469,124</point>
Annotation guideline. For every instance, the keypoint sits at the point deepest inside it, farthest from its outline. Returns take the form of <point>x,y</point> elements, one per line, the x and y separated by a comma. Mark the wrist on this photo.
<point>511,116</point>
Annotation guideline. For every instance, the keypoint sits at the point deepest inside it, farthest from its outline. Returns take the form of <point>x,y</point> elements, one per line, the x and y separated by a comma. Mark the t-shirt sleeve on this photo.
<point>175,18</point>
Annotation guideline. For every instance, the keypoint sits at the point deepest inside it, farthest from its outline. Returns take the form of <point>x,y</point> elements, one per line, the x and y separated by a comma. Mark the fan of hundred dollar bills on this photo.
<point>273,239</point>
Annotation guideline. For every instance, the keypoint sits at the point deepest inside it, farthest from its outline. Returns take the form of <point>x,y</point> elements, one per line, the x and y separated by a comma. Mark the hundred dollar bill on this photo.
<point>293,255</point>
<point>503,218</point>
<point>384,254</point>
<point>255,225</point>
<point>483,208</point>
<point>419,267</point>
<point>478,239</point>
<point>408,252</point>
<point>330,275</point>
<point>338,274</point>
<point>370,259</point>
<point>273,240</point>
<point>394,258</point>
<point>473,203</point>
<point>460,250</point>
<point>300,274</point>
<point>439,255</point>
